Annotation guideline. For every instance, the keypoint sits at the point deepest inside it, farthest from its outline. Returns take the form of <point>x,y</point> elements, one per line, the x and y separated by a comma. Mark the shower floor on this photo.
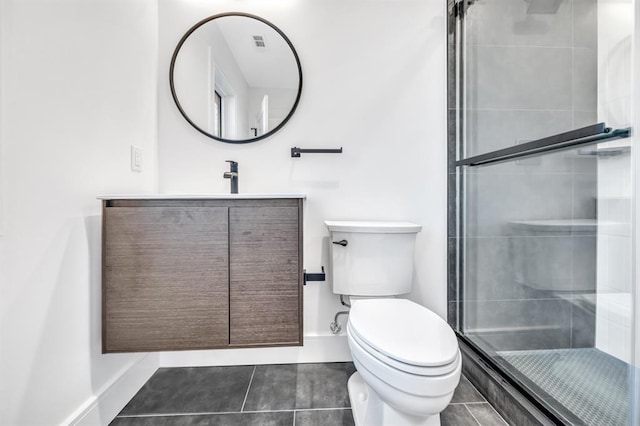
<point>593,385</point>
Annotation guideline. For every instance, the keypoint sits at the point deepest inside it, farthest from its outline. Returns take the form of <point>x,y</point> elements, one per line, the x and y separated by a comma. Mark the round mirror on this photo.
<point>236,77</point>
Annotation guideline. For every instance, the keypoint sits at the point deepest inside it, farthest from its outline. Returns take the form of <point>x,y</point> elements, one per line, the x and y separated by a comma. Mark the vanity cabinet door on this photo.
<point>166,278</point>
<point>265,276</point>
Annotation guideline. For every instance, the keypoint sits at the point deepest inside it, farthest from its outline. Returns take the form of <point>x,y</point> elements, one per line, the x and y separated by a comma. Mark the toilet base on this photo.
<point>369,410</point>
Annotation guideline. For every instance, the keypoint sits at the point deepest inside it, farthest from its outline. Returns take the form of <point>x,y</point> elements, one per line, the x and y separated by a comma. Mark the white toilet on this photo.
<point>407,357</point>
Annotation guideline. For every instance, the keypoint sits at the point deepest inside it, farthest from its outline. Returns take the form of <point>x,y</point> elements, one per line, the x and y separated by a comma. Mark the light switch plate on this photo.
<point>136,159</point>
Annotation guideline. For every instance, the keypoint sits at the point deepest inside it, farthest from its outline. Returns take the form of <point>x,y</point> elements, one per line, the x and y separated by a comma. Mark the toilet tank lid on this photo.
<point>372,227</point>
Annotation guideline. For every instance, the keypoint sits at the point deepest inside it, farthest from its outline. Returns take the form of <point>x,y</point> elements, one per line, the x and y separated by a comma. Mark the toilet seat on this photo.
<point>404,367</point>
<point>404,334</point>
<point>423,385</point>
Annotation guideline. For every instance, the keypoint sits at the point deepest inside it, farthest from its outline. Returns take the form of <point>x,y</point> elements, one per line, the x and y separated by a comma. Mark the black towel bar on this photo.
<point>295,151</point>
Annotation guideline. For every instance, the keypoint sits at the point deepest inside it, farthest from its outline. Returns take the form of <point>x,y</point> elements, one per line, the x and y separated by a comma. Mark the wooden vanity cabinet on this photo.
<point>264,272</point>
<point>201,274</point>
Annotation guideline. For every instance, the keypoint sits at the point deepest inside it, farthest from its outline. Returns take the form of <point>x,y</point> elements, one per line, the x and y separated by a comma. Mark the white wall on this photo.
<point>374,84</point>
<point>79,87</point>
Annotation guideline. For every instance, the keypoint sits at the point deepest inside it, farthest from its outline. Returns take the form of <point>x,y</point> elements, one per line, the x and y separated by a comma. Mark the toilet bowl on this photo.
<point>407,357</point>
<point>408,363</point>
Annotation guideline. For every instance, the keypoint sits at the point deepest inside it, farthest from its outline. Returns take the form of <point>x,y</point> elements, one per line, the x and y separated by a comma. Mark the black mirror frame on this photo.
<point>247,15</point>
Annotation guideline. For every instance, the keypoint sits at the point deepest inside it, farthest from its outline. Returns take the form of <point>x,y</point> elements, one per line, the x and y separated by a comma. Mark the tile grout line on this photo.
<point>209,413</point>
<point>485,401</point>
<point>504,422</point>
<point>474,386</point>
<point>499,415</point>
<point>201,413</point>
<point>317,409</point>
<point>248,387</point>
<point>470,412</point>
<point>514,46</point>
<point>469,403</point>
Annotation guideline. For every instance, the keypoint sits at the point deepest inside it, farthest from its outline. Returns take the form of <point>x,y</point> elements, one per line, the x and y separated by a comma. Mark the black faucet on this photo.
<point>233,175</point>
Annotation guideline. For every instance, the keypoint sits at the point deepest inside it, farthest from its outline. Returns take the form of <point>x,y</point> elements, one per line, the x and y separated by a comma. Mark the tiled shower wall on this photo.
<point>529,76</point>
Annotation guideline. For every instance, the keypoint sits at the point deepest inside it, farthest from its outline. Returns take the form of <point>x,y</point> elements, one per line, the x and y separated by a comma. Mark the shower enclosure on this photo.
<point>540,199</point>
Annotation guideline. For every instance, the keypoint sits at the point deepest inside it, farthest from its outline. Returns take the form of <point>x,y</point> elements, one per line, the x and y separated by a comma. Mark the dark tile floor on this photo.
<point>265,395</point>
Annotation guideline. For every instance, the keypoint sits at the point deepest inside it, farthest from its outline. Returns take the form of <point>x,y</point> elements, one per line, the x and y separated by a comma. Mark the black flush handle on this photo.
<point>342,243</point>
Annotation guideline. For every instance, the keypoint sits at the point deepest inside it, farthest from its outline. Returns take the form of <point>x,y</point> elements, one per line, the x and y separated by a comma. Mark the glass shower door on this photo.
<point>542,177</point>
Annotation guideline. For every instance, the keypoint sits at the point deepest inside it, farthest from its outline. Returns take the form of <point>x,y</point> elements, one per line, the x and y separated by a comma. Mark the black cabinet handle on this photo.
<point>342,243</point>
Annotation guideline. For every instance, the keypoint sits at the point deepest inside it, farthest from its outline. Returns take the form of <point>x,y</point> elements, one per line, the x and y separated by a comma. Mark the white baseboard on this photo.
<point>327,348</point>
<point>103,407</point>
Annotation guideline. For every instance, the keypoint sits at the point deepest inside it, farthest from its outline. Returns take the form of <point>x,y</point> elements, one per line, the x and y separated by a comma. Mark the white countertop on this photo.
<point>218,196</point>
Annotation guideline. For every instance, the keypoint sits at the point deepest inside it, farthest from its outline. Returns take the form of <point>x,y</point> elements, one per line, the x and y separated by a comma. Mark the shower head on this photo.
<point>542,7</point>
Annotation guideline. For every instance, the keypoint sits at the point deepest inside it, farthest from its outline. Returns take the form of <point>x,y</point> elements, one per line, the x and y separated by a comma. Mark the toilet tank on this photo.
<point>373,259</point>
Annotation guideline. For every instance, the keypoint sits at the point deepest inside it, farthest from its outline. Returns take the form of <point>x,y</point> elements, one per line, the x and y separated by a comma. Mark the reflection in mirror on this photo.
<point>236,77</point>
